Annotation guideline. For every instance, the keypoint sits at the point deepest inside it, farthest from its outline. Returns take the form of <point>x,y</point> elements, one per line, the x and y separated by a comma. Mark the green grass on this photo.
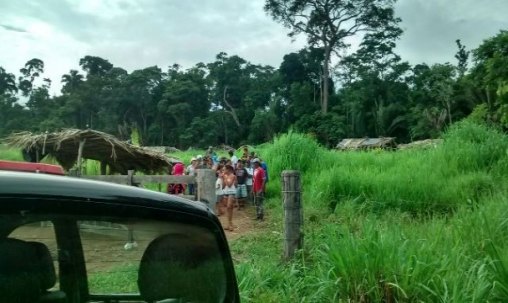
<point>354,255</point>
<point>381,226</point>
<point>120,280</point>
<point>11,154</point>
<point>465,168</point>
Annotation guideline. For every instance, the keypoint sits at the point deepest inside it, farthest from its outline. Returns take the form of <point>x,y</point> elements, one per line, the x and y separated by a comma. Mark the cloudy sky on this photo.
<point>135,34</point>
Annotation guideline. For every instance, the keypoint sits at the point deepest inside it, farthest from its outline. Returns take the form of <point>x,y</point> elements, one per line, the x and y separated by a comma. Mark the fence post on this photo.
<point>293,213</point>
<point>104,168</point>
<point>80,156</point>
<point>130,177</point>
<point>205,187</point>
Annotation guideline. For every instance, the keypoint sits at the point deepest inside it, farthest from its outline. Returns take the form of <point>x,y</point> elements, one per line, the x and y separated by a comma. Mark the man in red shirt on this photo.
<point>258,188</point>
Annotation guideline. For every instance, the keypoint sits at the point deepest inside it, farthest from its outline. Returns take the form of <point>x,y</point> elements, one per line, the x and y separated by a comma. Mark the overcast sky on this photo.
<point>135,34</point>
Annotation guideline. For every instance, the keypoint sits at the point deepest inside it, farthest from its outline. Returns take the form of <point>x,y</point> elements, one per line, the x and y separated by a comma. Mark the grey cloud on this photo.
<point>135,34</point>
<point>58,13</point>
<point>13,28</point>
<point>432,26</point>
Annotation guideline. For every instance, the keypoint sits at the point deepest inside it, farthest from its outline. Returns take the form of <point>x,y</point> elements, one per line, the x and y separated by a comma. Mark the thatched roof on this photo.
<point>64,145</point>
<point>366,143</point>
<point>428,143</point>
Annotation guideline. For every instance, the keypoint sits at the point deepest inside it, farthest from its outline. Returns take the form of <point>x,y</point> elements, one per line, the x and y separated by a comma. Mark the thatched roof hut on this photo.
<point>70,145</point>
<point>366,143</point>
<point>421,144</point>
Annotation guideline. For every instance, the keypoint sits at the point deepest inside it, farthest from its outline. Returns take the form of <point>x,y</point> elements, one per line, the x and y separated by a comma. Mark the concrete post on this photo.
<point>205,187</point>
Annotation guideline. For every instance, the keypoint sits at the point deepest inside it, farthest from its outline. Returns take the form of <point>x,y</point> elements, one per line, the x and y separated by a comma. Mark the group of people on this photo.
<point>239,180</point>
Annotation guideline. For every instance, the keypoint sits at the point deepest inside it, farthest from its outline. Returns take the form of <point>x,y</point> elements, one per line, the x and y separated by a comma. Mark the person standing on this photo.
<point>219,192</point>
<point>265,168</point>
<point>191,171</point>
<point>248,182</point>
<point>229,191</point>
<point>258,188</point>
<point>200,164</point>
<point>178,170</point>
<point>234,158</point>
<point>245,155</point>
<point>241,190</point>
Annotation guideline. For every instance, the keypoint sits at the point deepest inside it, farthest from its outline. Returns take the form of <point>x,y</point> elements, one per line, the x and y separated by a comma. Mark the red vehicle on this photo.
<point>31,167</point>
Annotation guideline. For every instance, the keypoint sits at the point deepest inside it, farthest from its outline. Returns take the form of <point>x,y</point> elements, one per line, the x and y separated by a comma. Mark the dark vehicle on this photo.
<point>65,239</point>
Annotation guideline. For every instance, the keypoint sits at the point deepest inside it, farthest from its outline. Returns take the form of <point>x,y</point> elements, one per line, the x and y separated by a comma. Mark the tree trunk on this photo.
<point>162,132</point>
<point>231,108</point>
<point>449,109</point>
<point>326,75</point>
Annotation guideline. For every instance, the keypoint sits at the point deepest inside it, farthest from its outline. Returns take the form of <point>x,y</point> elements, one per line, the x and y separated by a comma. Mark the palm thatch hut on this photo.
<point>70,146</point>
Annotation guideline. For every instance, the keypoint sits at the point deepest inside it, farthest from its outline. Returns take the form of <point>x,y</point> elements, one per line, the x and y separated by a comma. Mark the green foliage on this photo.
<point>405,226</point>
<point>354,255</point>
<point>233,101</point>
<point>326,25</point>
<point>292,151</point>
<point>122,279</point>
<point>328,129</point>
<point>263,126</point>
<point>480,114</point>
<point>463,169</point>
<point>135,137</point>
<point>10,154</point>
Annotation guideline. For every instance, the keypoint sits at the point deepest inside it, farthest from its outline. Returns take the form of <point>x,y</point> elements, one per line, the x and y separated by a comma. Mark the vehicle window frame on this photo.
<point>78,286</point>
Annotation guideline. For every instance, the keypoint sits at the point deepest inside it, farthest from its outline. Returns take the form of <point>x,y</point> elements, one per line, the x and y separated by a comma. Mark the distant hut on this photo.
<point>421,144</point>
<point>366,143</point>
<point>70,146</point>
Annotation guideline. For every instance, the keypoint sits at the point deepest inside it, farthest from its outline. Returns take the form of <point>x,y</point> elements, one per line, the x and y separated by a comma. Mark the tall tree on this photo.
<point>491,75</point>
<point>328,23</point>
<point>32,69</point>
<point>71,81</point>
<point>462,57</point>
<point>7,82</point>
<point>95,66</point>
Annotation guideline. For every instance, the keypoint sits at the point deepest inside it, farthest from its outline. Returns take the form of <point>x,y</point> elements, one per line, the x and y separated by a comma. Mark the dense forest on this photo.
<point>317,90</point>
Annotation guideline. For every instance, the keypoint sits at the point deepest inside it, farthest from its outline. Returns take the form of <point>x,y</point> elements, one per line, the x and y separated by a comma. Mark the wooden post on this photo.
<point>205,187</point>
<point>293,213</point>
<point>130,177</point>
<point>80,155</point>
<point>104,168</point>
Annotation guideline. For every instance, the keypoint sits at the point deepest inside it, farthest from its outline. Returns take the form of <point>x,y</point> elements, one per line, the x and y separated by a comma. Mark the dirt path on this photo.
<point>244,220</point>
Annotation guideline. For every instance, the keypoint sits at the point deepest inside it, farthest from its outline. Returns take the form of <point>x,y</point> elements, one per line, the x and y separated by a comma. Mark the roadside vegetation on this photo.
<point>387,226</point>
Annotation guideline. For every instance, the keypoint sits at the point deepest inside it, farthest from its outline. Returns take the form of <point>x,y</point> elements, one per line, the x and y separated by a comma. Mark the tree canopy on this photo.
<point>232,101</point>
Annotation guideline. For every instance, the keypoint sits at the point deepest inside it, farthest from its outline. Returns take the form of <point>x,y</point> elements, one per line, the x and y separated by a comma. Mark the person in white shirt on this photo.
<point>191,171</point>
<point>234,158</point>
<point>248,183</point>
<point>219,192</point>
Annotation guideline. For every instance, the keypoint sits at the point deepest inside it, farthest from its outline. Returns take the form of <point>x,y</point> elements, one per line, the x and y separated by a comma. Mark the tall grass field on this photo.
<point>421,225</point>
<point>387,226</point>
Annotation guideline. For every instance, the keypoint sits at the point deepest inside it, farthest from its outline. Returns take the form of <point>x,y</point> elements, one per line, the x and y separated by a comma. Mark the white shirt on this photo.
<point>250,172</point>
<point>234,160</point>
<point>190,170</point>
<point>218,187</point>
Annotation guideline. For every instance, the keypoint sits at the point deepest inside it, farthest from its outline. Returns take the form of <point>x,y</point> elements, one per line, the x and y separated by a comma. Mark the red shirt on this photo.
<point>178,169</point>
<point>258,180</point>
